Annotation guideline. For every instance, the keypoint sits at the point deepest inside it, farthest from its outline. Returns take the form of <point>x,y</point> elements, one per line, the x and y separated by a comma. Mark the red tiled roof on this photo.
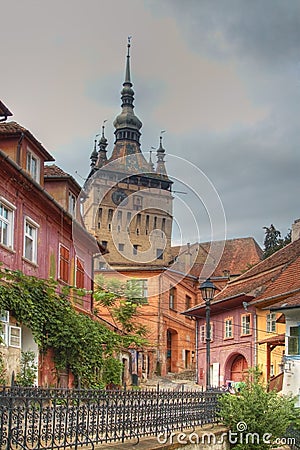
<point>290,302</point>
<point>237,255</point>
<point>274,276</point>
<point>8,129</point>
<point>52,171</point>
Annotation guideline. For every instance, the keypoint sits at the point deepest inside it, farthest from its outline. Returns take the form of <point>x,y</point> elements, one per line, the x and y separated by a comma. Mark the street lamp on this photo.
<point>207,290</point>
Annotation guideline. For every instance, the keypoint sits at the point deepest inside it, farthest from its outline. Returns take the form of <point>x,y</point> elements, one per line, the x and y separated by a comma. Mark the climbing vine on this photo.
<point>79,342</point>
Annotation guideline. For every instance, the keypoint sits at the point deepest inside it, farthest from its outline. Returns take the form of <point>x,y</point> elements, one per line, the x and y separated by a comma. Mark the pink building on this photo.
<point>38,234</point>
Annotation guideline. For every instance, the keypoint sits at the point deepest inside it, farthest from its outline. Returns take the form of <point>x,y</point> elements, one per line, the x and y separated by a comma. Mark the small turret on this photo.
<point>160,167</point>
<point>102,153</point>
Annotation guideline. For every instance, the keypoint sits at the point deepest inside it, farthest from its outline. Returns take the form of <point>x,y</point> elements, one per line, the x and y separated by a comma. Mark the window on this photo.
<point>138,290</point>
<point>271,323</point>
<point>14,337</point>
<point>172,298</point>
<point>119,216</point>
<point>6,223</point>
<point>4,328</point>
<point>121,247</point>
<point>135,249</point>
<point>79,274</point>
<point>228,328</point>
<point>246,323</point>
<point>128,217</point>
<point>155,223</point>
<point>72,203</point>
<point>138,220</point>
<point>104,244</point>
<point>100,213</point>
<point>30,240</point>
<point>188,302</point>
<point>33,165</point>
<point>10,335</point>
<point>147,223</point>
<point>163,224</point>
<point>64,263</point>
<point>293,341</point>
<point>110,215</point>
<point>137,202</point>
<point>159,253</point>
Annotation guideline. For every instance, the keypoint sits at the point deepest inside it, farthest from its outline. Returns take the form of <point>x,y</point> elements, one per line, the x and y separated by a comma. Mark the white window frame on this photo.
<point>143,284</point>
<point>19,337</point>
<point>4,316</point>
<point>4,333</point>
<point>271,322</point>
<point>246,324</point>
<point>30,157</point>
<point>228,328</point>
<point>34,239</point>
<point>9,222</point>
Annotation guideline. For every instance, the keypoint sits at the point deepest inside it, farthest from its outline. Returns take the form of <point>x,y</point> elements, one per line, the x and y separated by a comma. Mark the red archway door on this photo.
<point>238,368</point>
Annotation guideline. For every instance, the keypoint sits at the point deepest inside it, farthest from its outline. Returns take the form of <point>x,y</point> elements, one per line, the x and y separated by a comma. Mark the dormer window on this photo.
<point>72,203</point>
<point>33,165</point>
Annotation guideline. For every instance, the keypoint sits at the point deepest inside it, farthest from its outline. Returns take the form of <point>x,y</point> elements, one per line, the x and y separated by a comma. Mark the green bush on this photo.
<point>28,369</point>
<point>256,417</point>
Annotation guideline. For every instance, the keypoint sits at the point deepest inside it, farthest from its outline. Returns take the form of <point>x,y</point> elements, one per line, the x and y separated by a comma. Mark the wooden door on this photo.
<point>238,368</point>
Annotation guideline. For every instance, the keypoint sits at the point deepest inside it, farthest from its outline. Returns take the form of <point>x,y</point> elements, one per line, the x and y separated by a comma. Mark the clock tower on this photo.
<point>127,201</point>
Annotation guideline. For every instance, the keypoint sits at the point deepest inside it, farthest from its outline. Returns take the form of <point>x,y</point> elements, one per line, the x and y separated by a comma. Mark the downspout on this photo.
<point>255,339</point>
<point>158,362</point>
<point>18,155</point>
<point>197,350</point>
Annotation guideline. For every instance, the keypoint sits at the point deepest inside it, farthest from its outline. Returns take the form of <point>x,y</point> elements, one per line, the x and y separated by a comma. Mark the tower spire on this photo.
<point>102,157</point>
<point>160,167</point>
<point>127,124</point>
<point>94,155</point>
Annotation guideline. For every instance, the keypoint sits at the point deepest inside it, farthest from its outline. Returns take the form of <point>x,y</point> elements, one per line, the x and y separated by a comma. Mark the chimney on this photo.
<point>296,230</point>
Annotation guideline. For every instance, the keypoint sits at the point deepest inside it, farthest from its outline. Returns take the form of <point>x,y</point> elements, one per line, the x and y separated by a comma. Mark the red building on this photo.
<point>37,231</point>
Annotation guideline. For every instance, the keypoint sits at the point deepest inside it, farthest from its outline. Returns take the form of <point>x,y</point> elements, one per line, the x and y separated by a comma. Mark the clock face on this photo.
<point>119,196</point>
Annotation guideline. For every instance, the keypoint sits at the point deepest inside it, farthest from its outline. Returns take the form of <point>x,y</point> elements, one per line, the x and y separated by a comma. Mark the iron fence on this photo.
<point>38,418</point>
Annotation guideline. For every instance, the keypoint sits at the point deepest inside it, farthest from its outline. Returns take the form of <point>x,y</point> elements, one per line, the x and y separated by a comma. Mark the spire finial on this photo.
<point>127,72</point>
<point>103,127</point>
<point>94,155</point>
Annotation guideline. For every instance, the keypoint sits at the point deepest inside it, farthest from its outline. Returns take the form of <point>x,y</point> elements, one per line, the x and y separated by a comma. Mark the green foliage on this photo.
<point>79,342</point>
<point>263,412</point>
<point>112,371</point>
<point>273,241</point>
<point>123,301</point>
<point>28,369</point>
<point>2,371</point>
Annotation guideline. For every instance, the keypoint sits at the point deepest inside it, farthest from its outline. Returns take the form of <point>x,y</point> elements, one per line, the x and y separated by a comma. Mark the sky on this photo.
<point>221,77</point>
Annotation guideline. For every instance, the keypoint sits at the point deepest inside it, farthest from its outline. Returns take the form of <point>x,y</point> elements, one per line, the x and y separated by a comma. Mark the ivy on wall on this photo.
<point>80,343</point>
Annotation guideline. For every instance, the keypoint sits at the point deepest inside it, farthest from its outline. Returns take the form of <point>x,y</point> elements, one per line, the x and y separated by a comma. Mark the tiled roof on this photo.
<point>52,171</point>
<point>8,129</point>
<point>274,276</point>
<point>237,255</point>
<point>293,301</point>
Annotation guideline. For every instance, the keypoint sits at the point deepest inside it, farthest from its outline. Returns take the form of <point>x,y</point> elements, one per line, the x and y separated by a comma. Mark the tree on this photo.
<point>28,369</point>
<point>273,241</point>
<point>122,301</point>
<point>255,416</point>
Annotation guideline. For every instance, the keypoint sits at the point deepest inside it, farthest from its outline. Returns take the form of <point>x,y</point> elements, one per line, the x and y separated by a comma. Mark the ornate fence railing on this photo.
<point>38,418</point>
